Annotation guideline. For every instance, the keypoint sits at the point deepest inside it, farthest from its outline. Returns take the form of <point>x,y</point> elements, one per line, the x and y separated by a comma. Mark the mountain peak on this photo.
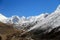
<point>58,9</point>
<point>2,17</point>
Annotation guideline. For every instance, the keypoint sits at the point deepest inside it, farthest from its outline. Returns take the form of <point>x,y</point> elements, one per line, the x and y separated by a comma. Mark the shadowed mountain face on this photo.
<point>54,34</point>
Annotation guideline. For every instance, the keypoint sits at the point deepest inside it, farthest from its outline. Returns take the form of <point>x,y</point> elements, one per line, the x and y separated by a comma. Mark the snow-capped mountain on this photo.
<point>3,18</point>
<point>23,21</point>
<point>50,22</point>
<point>49,25</point>
<point>42,21</point>
<point>44,25</point>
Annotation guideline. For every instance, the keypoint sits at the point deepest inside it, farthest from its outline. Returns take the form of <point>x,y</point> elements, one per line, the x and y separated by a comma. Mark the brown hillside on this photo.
<point>7,31</point>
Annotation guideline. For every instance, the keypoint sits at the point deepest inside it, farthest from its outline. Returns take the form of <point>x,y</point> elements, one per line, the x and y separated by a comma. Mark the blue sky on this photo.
<point>27,7</point>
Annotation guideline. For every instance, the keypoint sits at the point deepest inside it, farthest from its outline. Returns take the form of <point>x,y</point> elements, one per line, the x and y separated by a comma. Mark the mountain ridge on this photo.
<point>45,26</point>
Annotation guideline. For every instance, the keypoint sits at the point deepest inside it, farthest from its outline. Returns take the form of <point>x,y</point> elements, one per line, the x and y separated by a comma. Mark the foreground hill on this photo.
<point>7,31</point>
